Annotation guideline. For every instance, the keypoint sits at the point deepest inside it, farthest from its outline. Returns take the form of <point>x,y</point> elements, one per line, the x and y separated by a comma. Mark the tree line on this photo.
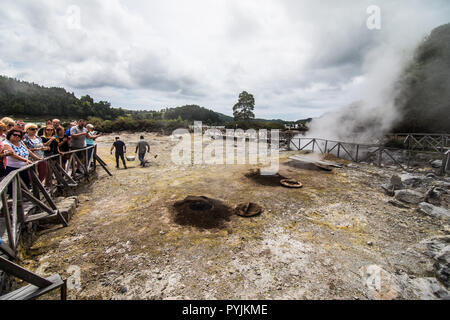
<point>21,99</point>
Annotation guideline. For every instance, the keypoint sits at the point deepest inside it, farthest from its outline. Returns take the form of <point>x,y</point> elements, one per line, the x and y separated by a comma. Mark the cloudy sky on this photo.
<point>298,58</point>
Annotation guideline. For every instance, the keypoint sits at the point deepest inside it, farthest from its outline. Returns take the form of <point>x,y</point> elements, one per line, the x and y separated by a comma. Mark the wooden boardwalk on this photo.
<point>24,206</point>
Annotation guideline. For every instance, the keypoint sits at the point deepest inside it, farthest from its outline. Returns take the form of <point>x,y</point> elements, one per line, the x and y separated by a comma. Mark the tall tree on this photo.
<point>243,109</point>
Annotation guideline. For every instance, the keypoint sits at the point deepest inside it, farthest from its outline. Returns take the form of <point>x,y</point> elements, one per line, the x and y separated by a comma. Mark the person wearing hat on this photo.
<point>19,125</point>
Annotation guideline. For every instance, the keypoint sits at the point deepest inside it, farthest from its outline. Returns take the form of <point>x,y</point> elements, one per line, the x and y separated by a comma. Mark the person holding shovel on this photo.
<point>142,147</point>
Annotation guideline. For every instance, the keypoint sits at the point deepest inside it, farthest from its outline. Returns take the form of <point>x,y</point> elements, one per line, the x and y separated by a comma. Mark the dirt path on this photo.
<point>309,243</point>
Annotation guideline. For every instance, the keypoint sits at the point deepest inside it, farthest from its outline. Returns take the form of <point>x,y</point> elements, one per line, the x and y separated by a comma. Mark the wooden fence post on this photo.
<point>357,153</point>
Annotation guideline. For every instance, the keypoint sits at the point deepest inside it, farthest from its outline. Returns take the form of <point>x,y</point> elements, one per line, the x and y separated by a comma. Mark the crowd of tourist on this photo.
<point>21,144</point>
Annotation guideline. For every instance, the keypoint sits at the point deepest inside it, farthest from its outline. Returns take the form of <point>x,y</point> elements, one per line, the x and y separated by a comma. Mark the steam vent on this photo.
<point>202,212</point>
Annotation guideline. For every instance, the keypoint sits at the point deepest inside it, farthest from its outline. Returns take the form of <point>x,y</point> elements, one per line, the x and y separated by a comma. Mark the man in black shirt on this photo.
<point>121,148</point>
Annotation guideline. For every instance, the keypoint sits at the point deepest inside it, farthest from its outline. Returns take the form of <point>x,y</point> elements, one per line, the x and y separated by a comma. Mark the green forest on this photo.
<point>21,99</point>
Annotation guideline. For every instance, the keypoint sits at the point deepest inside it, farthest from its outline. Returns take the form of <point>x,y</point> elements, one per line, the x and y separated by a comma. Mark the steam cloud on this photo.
<point>378,109</point>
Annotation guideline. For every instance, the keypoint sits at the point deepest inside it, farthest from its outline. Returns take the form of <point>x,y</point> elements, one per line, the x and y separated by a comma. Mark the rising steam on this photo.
<point>377,111</point>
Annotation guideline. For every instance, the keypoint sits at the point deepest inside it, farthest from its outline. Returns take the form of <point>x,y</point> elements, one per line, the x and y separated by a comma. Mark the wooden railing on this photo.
<point>20,205</point>
<point>374,153</point>
<point>423,141</point>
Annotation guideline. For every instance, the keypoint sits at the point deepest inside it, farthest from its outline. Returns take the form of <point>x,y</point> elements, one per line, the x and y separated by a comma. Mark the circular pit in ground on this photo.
<point>202,212</point>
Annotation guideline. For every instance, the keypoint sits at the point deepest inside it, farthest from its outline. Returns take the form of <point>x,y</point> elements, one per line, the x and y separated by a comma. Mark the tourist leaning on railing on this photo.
<point>63,140</point>
<point>41,130</point>
<point>63,145</point>
<point>3,129</point>
<point>91,136</point>
<point>19,156</point>
<point>78,140</point>
<point>74,123</point>
<point>3,154</point>
<point>50,141</point>
<point>34,143</point>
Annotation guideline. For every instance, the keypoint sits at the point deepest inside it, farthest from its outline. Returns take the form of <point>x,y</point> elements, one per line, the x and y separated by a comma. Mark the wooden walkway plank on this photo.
<point>30,292</point>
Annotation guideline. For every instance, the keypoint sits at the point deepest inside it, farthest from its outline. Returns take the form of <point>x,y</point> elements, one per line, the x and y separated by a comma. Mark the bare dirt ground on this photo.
<point>309,243</point>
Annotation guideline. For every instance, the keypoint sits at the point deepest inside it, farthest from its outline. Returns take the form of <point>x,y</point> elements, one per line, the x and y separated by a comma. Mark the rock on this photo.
<point>411,180</point>
<point>436,245</point>
<point>123,290</point>
<point>388,189</point>
<point>396,182</point>
<point>66,206</point>
<point>434,211</point>
<point>434,195</point>
<point>427,288</point>
<point>409,196</point>
<point>353,166</point>
<point>439,251</point>
<point>380,284</point>
<point>442,184</point>
<point>442,267</point>
<point>436,163</point>
<point>398,204</point>
<point>431,175</point>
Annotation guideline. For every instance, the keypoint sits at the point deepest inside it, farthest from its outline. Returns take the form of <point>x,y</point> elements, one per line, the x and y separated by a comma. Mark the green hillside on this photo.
<point>424,98</point>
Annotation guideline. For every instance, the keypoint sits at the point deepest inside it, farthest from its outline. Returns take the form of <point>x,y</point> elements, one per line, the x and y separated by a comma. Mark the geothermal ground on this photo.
<point>327,240</point>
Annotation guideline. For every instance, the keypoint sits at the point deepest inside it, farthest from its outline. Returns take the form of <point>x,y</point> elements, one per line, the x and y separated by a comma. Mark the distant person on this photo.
<point>78,135</point>
<point>48,122</point>
<point>19,125</point>
<point>34,143</point>
<point>56,123</point>
<point>8,122</point>
<point>3,154</point>
<point>121,149</point>
<point>18,157</point>
<point>3,130</point>
<point>63,145</point>
<point>72,124</point>
<point>67,133</point>
<point>63,140</point>
<point>91,136</point>
<point>51,143</point>
<point>142,147</point>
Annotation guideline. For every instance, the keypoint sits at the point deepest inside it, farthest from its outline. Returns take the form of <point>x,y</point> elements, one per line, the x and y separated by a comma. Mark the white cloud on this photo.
<point>298,58</point>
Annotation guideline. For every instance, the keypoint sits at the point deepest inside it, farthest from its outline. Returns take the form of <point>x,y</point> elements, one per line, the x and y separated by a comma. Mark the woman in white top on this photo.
<point>19,157</point>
